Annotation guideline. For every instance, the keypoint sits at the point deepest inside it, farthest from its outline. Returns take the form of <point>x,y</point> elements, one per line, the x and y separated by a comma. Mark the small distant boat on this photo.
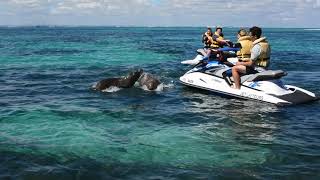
<point>263,86</point>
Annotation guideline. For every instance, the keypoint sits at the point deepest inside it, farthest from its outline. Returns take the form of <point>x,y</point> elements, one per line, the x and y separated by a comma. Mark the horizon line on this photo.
<point>146,26</point>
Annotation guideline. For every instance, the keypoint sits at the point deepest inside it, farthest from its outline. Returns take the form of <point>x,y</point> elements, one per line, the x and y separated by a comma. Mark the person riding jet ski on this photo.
<point>246,45</point>
<point>216,41</point>
<point>206,38</point>
<point>259,58</point>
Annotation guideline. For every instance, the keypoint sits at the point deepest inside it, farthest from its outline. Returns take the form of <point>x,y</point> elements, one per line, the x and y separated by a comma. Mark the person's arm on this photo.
<point>221,41</point>
<point>210,39</point>
<point>208,36</point>
<point>255,52</point>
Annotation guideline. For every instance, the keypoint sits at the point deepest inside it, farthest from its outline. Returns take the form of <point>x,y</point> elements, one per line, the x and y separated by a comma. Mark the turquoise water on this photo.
<point>53,126</point>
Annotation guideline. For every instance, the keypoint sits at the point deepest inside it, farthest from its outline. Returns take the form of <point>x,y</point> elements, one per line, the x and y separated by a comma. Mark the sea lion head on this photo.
<point>132,77</point>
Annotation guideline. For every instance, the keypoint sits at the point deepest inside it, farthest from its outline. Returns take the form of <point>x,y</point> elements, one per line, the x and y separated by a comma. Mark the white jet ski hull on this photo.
<point>270,91</point>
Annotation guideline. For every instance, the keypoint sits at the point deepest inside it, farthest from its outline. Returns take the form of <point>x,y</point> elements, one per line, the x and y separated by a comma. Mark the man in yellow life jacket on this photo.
<point>218,40</point>
<point>259,58</point>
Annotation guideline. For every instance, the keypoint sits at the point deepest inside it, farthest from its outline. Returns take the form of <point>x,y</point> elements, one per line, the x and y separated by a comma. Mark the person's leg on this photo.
<point>236,70</point>
<point>208,53</point>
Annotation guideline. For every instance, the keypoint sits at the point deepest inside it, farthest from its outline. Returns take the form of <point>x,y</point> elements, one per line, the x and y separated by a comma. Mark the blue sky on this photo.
<point>266,13</point>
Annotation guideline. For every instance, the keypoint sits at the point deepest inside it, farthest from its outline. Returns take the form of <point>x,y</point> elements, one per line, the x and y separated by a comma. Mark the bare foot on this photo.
<point>234,87</point>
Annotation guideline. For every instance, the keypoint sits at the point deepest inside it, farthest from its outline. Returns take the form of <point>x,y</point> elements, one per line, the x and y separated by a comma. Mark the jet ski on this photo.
<point>215,75</point>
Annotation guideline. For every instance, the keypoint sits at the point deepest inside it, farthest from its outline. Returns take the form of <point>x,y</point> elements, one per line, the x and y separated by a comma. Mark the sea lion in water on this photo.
<point>125,82</point>
<point>149,81</point>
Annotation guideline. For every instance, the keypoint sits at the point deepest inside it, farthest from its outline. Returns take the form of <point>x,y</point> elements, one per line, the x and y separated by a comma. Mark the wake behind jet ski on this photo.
<point>266,86</point>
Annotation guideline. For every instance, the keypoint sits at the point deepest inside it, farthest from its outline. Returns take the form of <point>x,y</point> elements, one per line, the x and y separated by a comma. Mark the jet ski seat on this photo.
<point>264,76</point>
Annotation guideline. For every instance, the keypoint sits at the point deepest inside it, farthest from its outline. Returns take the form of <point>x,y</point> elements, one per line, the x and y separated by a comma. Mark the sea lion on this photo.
<point>149,81</point>
<point>125,82</point>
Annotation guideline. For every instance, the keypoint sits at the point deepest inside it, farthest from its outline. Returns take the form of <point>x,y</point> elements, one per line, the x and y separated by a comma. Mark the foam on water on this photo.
<point>159,88</point>
<point>112,89</point>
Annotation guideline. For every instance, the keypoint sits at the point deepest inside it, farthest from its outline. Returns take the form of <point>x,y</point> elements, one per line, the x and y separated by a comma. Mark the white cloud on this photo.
<point>89,5</point>
<point>60,10</point>
<point>26,3</point>
<point>166,12</point>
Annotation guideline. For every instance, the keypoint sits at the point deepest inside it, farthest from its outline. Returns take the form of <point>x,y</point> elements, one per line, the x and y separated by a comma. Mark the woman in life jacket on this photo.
<point>205,38</point>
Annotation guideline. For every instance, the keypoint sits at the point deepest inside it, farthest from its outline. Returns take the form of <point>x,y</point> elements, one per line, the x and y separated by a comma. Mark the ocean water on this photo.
<point>52,126</point>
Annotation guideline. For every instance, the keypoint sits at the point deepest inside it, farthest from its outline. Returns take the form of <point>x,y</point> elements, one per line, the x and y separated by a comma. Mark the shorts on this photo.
<point>250,70</point>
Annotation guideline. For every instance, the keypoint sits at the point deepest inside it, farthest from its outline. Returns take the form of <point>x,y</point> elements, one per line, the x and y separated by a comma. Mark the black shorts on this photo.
<point>250,70</point>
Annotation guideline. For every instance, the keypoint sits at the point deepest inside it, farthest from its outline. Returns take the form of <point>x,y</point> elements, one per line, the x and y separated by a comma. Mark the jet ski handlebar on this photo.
<point>228,49</point>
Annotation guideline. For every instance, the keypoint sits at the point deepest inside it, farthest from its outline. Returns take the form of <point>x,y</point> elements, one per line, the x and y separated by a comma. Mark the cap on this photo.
<point>218,27</point>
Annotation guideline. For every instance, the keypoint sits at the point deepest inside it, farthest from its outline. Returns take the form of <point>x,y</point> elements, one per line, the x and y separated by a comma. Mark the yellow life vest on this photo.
<point>246,46</point>
<point>264,58</point>
<point>206,39</point>
<point>216,44</point>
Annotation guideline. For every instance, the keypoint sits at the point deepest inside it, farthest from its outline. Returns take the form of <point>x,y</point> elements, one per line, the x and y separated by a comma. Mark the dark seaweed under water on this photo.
<point>52,126</point>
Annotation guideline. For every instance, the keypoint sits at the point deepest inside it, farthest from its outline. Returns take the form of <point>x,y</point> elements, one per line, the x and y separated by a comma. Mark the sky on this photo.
<point>237,13</point>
